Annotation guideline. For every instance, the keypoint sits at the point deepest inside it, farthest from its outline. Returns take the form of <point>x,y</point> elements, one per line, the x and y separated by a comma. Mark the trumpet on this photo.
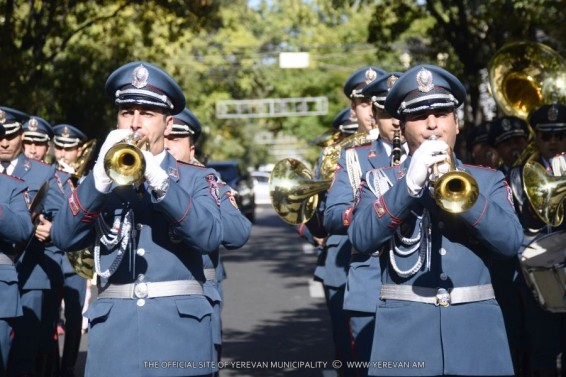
<point>455,191</point>
<point>124,162</point>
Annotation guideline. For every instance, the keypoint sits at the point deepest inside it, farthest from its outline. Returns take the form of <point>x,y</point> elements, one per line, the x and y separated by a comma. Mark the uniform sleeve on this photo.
<point>339,200</point>
<point>237,228</point>
<point>492,217</point>
<point>192,206</point>
<point>15,219</point>
<point>74,226</point>
<point>375,219</point>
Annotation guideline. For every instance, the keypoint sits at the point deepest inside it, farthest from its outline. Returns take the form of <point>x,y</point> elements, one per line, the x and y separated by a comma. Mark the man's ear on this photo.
<point>168,125</point>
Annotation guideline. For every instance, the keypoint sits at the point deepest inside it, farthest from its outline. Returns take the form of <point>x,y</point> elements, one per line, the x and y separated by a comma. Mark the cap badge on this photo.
<point>506,124</point>
<point>2,117</point>
<point>391,81</point>
<point>370,75</point>
<point>32,124</point>
<point>66,132</point>
<point>552,113</point>
<point>424,79</point>
<point>140,76</point>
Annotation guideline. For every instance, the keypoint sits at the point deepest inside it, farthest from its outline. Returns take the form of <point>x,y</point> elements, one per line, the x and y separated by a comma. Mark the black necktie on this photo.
<point>5,165</point>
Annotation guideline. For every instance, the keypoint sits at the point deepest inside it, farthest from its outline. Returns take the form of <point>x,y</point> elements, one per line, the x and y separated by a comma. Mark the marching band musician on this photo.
<point>508,135</point>
<point>68,144</point>
<point>148,240</point>
<point>34,349</point>
<point>36,139</point>
<point>180,142</point>
<point>545,331</point>
<point>336,247</point>
<point>481,152</point>
<point>15,228</point>
<point>363,271</point>
<point>437,308</point>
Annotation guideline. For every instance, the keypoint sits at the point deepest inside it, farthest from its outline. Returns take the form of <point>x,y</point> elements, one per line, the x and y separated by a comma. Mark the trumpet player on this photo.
<point>362,270</point>
<point>436,305</point>
<point>148,237</point>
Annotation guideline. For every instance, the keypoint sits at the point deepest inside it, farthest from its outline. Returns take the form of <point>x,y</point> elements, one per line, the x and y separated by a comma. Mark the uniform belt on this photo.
<point>437,296</point>
<point>4,259</point>
<point>210,274</point>
<point>356,252</point>
<point>152,289</point>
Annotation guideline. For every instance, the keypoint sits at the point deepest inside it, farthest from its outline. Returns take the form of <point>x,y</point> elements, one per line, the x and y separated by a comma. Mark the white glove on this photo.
<point>429,153</point>
<point>154,174</point>
<point>102,181</point>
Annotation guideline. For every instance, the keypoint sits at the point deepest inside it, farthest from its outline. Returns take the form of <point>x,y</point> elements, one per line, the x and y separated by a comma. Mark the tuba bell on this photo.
<point>523,76</point>
<point>124,162</point>
<point>545,193</point>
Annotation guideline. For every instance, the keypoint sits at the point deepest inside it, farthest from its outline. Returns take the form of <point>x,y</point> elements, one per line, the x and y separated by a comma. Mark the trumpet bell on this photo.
<point>82,262</point>
<point>456,191</point>
<point>293,191</point>
<point>545,193</point>
<point>124,163</point>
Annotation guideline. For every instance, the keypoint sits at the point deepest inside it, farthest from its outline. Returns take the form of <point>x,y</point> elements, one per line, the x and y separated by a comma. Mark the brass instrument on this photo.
<point>293,191</point>
<point>327,138</point>
<point>523,76</point>
<point>77,168</point>
<point>455,191</point>
<point>396,151</point>
<point>545,193</point>
<point>82,262</point>
<point>331,154</point>
<point>124,162</point>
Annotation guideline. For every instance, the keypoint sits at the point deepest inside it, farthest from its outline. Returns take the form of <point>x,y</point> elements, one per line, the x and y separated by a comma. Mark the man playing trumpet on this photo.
<point>437,311</point>
<point>148,239</point>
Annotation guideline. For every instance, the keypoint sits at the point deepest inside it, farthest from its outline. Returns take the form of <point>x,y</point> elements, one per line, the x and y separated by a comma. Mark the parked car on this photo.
<point>240,181</point>
<point>261,187</point>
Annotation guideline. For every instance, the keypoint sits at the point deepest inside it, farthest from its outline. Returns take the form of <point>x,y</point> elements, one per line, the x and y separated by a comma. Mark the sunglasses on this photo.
<point>547,136</point>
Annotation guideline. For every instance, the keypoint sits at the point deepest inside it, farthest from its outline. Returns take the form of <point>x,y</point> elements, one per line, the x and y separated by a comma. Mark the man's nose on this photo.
<point>431,121</point>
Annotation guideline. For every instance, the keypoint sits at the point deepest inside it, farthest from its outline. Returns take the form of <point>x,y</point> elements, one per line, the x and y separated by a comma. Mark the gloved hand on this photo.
<point>154,174</point>
<point>427,154</point>
<point>102,181</point>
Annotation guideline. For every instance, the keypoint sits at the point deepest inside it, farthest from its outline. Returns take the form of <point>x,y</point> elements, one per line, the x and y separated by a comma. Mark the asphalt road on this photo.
<point>275,321</point>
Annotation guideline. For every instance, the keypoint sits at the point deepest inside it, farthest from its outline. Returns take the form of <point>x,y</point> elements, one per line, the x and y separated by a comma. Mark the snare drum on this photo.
<point>543,263</point>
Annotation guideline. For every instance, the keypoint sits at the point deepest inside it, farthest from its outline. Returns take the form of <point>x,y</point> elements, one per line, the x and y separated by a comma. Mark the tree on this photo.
<point>467,32</point>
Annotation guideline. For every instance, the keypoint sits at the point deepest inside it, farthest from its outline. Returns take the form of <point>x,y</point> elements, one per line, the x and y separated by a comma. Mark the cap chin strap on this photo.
<point>161,98</point>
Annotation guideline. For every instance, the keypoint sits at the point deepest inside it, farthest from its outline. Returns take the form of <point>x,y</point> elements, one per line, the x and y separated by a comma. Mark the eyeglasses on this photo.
<point>546,136</point>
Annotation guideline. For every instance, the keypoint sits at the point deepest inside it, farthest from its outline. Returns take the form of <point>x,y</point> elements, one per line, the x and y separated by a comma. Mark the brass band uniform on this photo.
<point>363,278</point>
<point>437,314</point>
<point>150,227</point>
<point>15,228</point>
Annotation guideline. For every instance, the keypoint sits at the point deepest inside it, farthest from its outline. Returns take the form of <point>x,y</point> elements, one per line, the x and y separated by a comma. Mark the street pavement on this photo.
<point>275,321</point>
